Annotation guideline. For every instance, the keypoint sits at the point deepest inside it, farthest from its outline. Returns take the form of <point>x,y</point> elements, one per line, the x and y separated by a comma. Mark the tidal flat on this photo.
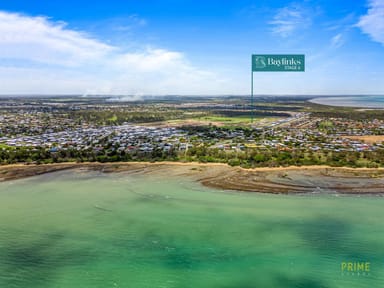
<point>150,228</point>
<point>278,180</point>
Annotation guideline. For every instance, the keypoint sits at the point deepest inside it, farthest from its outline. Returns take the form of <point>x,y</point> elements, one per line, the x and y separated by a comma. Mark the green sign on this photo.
<point>278,63</point>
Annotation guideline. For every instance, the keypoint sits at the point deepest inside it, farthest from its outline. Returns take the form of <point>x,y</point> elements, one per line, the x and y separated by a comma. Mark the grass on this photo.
<point>326,124</point>
<point>4,146</point>
<point>113,118</point>
<point>226,119</point>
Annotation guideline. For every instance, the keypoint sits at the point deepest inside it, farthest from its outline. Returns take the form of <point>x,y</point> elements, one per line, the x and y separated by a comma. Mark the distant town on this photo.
<point>275,131</point>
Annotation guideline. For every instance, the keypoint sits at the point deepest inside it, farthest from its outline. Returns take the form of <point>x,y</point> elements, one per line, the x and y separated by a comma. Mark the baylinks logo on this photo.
<point>349,268</point>
<point>260,62</point>
<point>284,62</point>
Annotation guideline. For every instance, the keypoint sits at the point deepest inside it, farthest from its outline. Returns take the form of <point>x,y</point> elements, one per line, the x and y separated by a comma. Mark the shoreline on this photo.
<point>348,101</point>
<point>276,180</point>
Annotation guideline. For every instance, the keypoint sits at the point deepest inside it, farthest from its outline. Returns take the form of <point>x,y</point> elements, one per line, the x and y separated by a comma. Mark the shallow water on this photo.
<point>364,101</point>
<point>86,229</point>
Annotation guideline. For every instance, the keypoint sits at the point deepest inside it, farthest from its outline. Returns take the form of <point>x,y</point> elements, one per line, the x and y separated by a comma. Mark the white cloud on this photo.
<point>151,60</point>
<point>344,23</point>
<point>40,40</point>
<point>373,22</point>
<point>136,20</point>
<point>289,19</point>
<point>46,56</point>
<point>122,24</point>
<point>337,41</point>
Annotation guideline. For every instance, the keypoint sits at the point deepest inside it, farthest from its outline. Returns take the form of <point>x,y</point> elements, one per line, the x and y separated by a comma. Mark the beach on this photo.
<point>293,179</point>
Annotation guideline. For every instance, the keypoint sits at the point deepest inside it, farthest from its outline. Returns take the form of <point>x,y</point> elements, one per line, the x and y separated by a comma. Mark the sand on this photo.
<point>306,179</point>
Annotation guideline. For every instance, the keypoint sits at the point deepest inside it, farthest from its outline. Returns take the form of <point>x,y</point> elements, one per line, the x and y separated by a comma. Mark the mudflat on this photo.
<point>293,179</point>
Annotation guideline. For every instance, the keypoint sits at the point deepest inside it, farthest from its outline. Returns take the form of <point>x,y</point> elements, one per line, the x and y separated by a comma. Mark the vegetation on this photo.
<point>223,133</point>
<point>246,158</point>
<point>120,116</point>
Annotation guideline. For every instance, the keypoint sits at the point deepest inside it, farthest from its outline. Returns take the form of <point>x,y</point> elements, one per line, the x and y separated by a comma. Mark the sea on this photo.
<point>362,101</point>
<point>88,229</point>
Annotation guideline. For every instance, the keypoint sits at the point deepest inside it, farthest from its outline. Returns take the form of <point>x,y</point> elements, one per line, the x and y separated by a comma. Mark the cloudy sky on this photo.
<point>189,47</point>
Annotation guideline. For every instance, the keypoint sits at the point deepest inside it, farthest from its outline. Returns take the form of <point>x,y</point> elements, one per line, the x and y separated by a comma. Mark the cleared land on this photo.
<point>370,139</point>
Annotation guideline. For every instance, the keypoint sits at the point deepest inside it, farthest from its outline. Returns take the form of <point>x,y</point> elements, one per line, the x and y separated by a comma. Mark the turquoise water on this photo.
<point>85,229</point>
<point>352,101</point>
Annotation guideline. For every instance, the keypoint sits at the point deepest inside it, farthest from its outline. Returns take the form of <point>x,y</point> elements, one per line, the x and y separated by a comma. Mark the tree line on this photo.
<point>247,158</point>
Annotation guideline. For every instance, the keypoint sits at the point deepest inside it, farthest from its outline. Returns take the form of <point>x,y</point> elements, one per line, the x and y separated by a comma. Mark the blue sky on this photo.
<point>188,47</point>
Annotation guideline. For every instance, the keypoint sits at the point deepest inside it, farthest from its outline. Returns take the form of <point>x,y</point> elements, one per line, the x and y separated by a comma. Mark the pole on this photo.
<point>252,116</point>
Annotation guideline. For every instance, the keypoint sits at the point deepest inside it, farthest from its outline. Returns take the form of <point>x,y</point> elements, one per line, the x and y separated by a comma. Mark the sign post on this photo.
<point>275,63</point>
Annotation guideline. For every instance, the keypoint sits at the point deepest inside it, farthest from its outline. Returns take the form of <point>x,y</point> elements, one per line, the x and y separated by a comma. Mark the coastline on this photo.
<point>276,180</point>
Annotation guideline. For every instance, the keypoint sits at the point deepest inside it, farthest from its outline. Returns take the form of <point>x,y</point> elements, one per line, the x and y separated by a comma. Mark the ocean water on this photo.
<point>364,101</point>
<point>86,229</point>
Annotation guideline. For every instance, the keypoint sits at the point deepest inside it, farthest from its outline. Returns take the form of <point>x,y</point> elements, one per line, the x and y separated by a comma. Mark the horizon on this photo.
<point>188,95</point>
<point>189,48</point>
